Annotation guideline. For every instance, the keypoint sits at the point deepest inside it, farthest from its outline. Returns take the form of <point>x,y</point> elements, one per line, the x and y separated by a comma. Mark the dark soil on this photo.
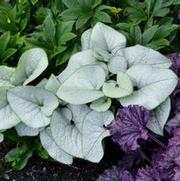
<point>40,170</point>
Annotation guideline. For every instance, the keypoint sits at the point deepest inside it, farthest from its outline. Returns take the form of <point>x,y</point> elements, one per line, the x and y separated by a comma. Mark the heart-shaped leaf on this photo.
<point>83,85</point>
<point>106,41</point>
<point>154,86</point>
<point>75,62</point>
<point>78,60</point>
<point>142,55</point>
<point>24,130</point>
<point>8,118</point>
<point>33,105</point>
<point>123,87</point>
<point>53,149</point>
<point>31,64</point>
<point>160,117</point>
<point>5,76</point>
<point>82,135</point>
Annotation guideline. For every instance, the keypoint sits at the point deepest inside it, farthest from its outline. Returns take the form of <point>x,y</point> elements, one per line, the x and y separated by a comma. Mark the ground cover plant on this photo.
<point>90,79</point>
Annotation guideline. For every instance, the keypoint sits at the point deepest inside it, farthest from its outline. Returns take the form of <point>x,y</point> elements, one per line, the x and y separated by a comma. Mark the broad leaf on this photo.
<point>101,105</point>
<point>31,64</point>
<point>24,130</point>
<point>83,85</point>
<point>53,149</point>
<point>160,116</point>
<point>120,88</point>
<point>106,41</point>
<point>33,105</point>
<point>76,61</point>
<point>154,86</point>
<point>8,118</point>
<point>5,76</point>
<point>141,55</point>
<point>82,136</point>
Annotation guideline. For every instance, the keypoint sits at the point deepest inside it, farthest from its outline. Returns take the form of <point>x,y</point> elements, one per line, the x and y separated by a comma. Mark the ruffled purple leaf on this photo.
<point>129,126</point>
<point>148,174</point>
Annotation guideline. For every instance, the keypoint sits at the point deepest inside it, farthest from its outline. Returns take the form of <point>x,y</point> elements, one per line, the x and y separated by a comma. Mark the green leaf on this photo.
<point>71,14</point>
<point>31,64</point>
<point>120,88</point>
<point>53,149</point>
<point>4,40</point>
<point>49,30</point>
<point>8,53</point>
<point>160,8</point>
<point>103,16</point>
<point>70,3</point>
<point>33,105</point>
<point>149,34</point>
<point>66,37</point>
<point>84,137</point>
<point>83,85</point>
<point>136,11</point>
<point>151,83</point>
<point>158,44</point>
<point>82,20</point>
<point>160,117</point>
<point>165,30</point>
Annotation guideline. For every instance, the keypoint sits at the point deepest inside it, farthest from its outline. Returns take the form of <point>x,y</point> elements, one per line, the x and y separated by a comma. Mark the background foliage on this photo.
<point>56,26</point>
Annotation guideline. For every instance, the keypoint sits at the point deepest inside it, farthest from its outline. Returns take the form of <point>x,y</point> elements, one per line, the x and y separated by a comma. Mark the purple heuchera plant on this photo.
<point>169,164</point>
<point>116,174</point>
<point>175,58</point>
<point>129,126</point>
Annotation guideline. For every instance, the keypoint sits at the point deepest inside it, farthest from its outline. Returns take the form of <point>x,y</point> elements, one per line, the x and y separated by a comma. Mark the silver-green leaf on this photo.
<point>160,117</point>
<point>8,118</point>
<point>53,149</point>
<point>31,64</point>
<point>83,85</point>
<point>33,105</point>
<point>79,131</point>
<point>154,86</point>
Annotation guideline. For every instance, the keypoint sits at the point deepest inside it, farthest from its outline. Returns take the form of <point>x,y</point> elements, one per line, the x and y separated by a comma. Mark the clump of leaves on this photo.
<point>14,18</point>
<point>53,36</point>
<point>149,23</point>
<point>84,11</point>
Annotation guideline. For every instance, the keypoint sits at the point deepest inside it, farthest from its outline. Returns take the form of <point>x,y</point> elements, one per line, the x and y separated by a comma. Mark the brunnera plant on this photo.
<point>71,111</point>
